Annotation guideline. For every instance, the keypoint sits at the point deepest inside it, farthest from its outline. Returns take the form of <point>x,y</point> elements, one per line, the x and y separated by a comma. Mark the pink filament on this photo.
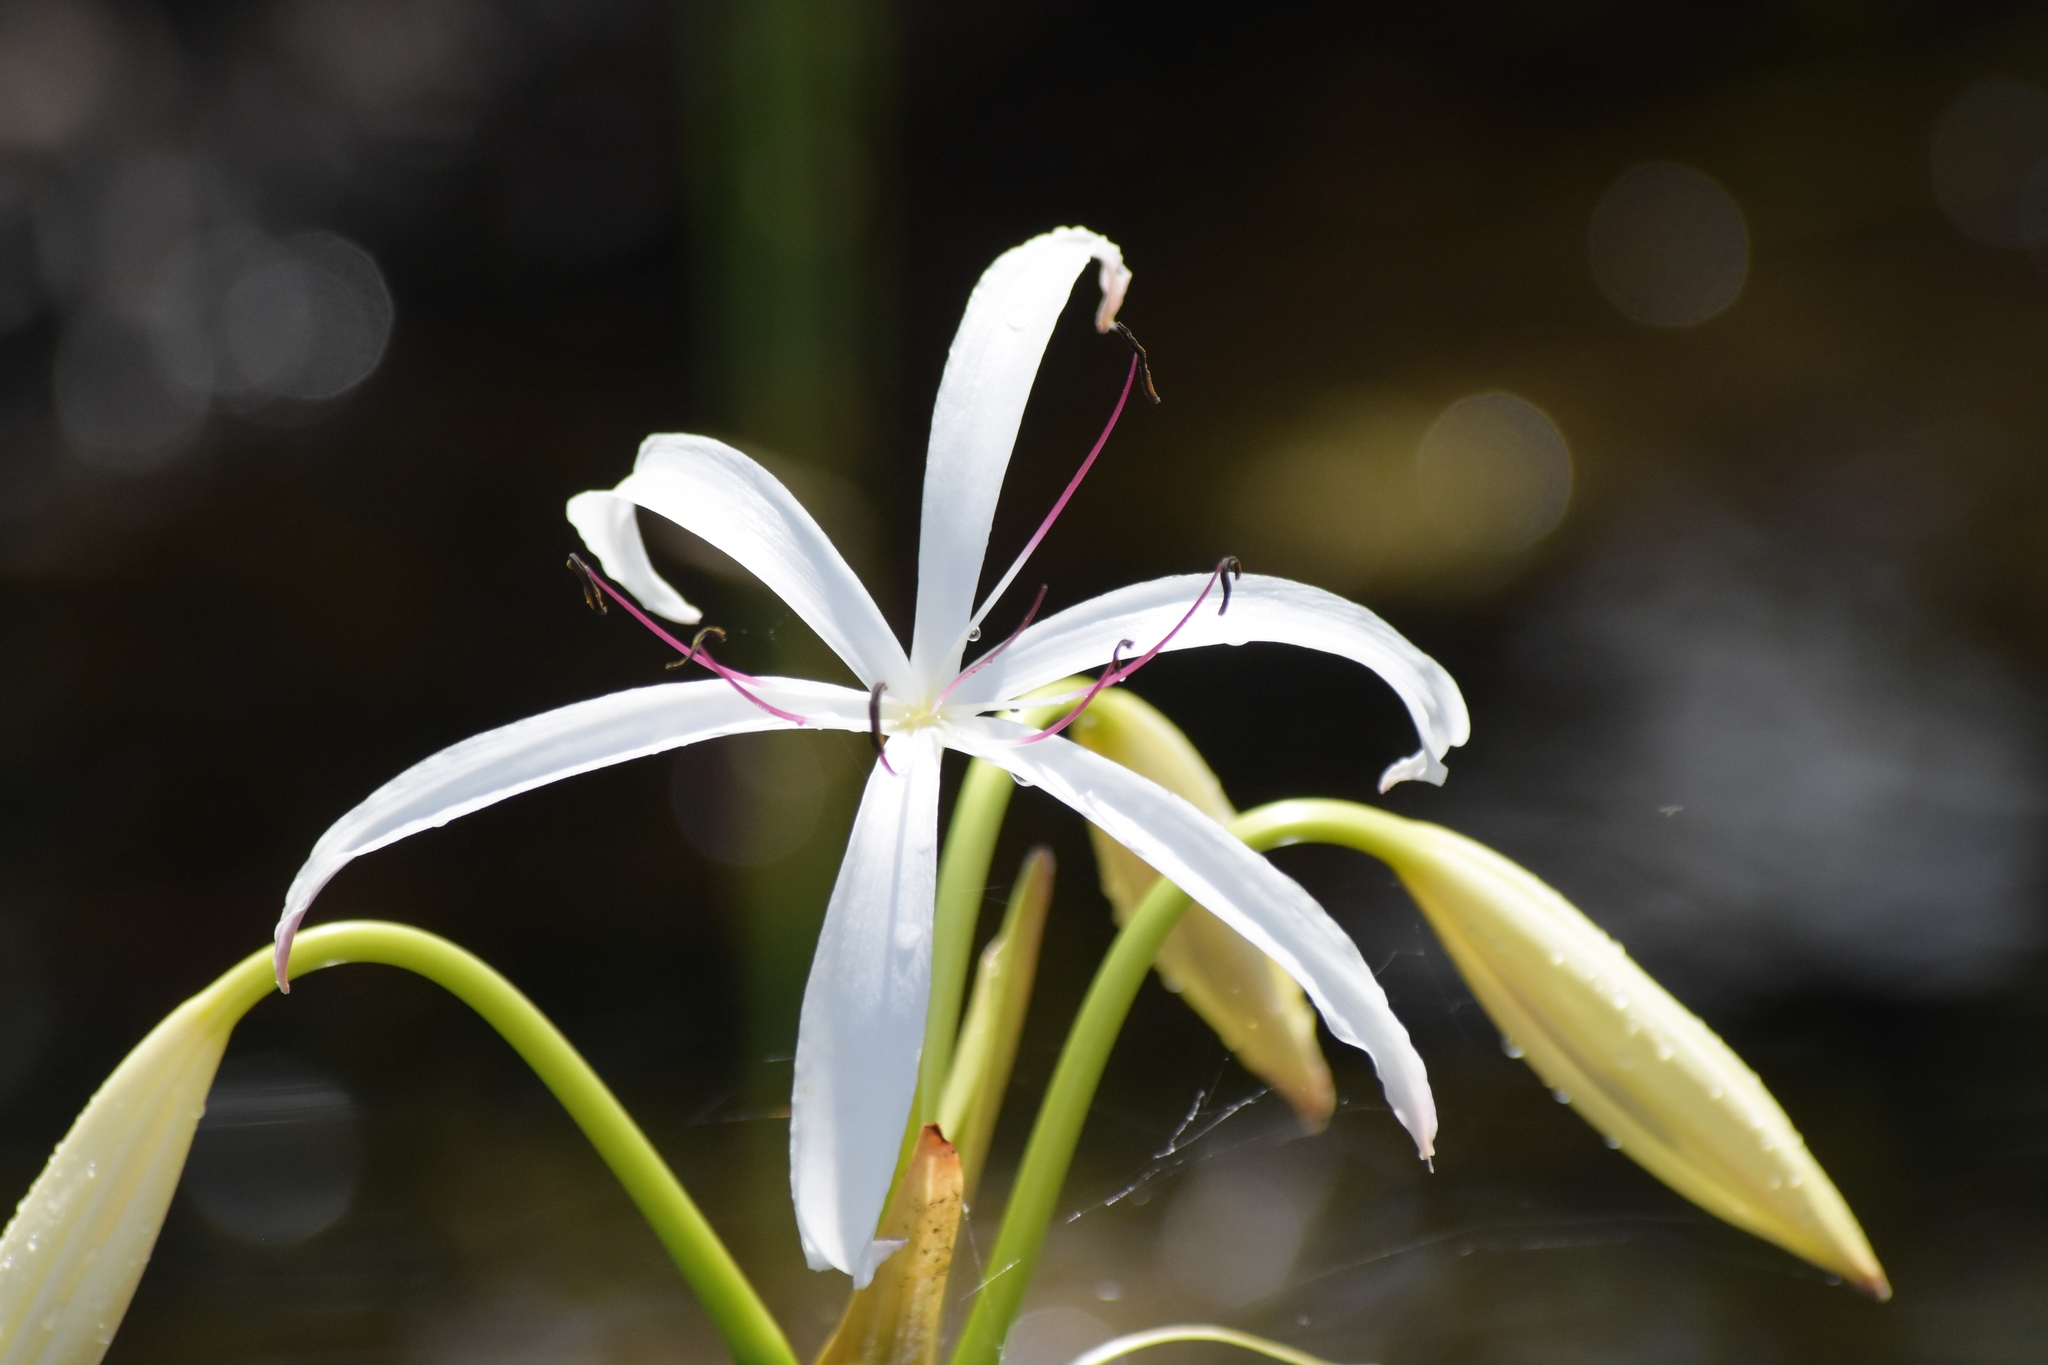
<point>985,660</point>
<point>1118,671</point>
<point>699,655</point>
<point>1061,505</point>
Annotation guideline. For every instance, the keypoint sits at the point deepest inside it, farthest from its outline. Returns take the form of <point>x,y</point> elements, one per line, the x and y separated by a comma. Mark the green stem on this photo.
<point>963,876</point>
<point>1194,1331</point>
<point>738,1312</point>
<point>1057,1131</point>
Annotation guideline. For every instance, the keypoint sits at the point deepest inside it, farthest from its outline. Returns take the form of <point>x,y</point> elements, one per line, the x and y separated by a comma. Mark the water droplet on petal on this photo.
<point>1511,1047</point>
<point>1614,1142</point>
<point>1560,1097</point>
<point>974,632</point>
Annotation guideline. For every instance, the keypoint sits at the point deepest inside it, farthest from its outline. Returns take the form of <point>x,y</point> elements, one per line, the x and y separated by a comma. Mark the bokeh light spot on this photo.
<point>1988,148</point>
<point>749,800</point>
<point>1232,1238</point>
<point>278,1155</point>
<point>1054,1336</point>
<point>1668,245</point>
<point>253,320</point>
<point>117,407</point>
<point>1494,473</point>
<point>56,62</point>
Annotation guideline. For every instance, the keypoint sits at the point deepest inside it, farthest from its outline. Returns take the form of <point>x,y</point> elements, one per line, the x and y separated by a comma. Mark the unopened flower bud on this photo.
<point>895,1320</point>
<point>71,1257</point>
<point>1247,998</point>
<point>1635,1064</point>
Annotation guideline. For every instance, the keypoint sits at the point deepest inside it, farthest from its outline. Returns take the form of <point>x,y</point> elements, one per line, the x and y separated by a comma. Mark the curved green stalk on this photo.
<point>963,876</point>
<point>1061,1116</point>
<point>740,1316</point>
<point>1194,1331</point>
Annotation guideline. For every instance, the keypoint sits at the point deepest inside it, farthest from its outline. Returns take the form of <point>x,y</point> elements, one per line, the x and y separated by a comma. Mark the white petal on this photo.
<point>1422,765</point>
<point>487,768</point>
<point>981,400</point>
<point>862,1025</point>
<point>707,487</point>
<point>1261,608</point>
<point>609,528</point>
<point>1243,889</point>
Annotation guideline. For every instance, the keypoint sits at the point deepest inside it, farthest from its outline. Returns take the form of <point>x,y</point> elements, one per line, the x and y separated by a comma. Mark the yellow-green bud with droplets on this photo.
<point>76,1248</point>
<point>1636,1064</point>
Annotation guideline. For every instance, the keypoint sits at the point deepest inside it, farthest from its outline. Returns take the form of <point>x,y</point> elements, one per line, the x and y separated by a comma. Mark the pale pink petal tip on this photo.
<point>281,961</point>
<point>1115,278</point>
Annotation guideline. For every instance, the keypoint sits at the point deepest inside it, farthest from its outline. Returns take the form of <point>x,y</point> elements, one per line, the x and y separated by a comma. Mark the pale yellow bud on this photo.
<point>1634,1063</point>
<point>71,1257</point>
<point>1247,998</point>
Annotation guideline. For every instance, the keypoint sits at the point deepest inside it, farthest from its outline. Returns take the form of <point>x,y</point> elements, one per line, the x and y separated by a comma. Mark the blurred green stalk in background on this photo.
<point>787,130</point>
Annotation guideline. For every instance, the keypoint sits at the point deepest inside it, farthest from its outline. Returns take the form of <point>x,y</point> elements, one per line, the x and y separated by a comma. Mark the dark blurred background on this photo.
<point>1673,373</point>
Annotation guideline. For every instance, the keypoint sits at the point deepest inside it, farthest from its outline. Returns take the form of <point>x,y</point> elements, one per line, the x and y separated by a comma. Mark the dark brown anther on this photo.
<point>1144,361</point>
<point>593,596</point>
<point>695,641</point>
<point>875,725</point>
<point>1227,568</point>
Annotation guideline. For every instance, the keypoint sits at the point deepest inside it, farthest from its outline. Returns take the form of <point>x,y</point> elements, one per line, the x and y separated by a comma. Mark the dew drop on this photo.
<point>1560,1097</point>
<point>1557,959</point>
<point>1614,1143</point>
<point>973,633</point>
<point>32,1242</point>
<point>1511,1047</point>
<point>1020,781</point>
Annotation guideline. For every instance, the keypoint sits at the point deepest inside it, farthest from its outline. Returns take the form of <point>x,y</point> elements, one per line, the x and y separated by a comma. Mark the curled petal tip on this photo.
<point>878,1251</point>
<point>1115,278</point>
<point>281,960</point>
<point>1420,766</point>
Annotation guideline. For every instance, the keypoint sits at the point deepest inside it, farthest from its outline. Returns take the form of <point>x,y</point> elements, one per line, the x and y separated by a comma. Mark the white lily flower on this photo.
<point>863,1016</point>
